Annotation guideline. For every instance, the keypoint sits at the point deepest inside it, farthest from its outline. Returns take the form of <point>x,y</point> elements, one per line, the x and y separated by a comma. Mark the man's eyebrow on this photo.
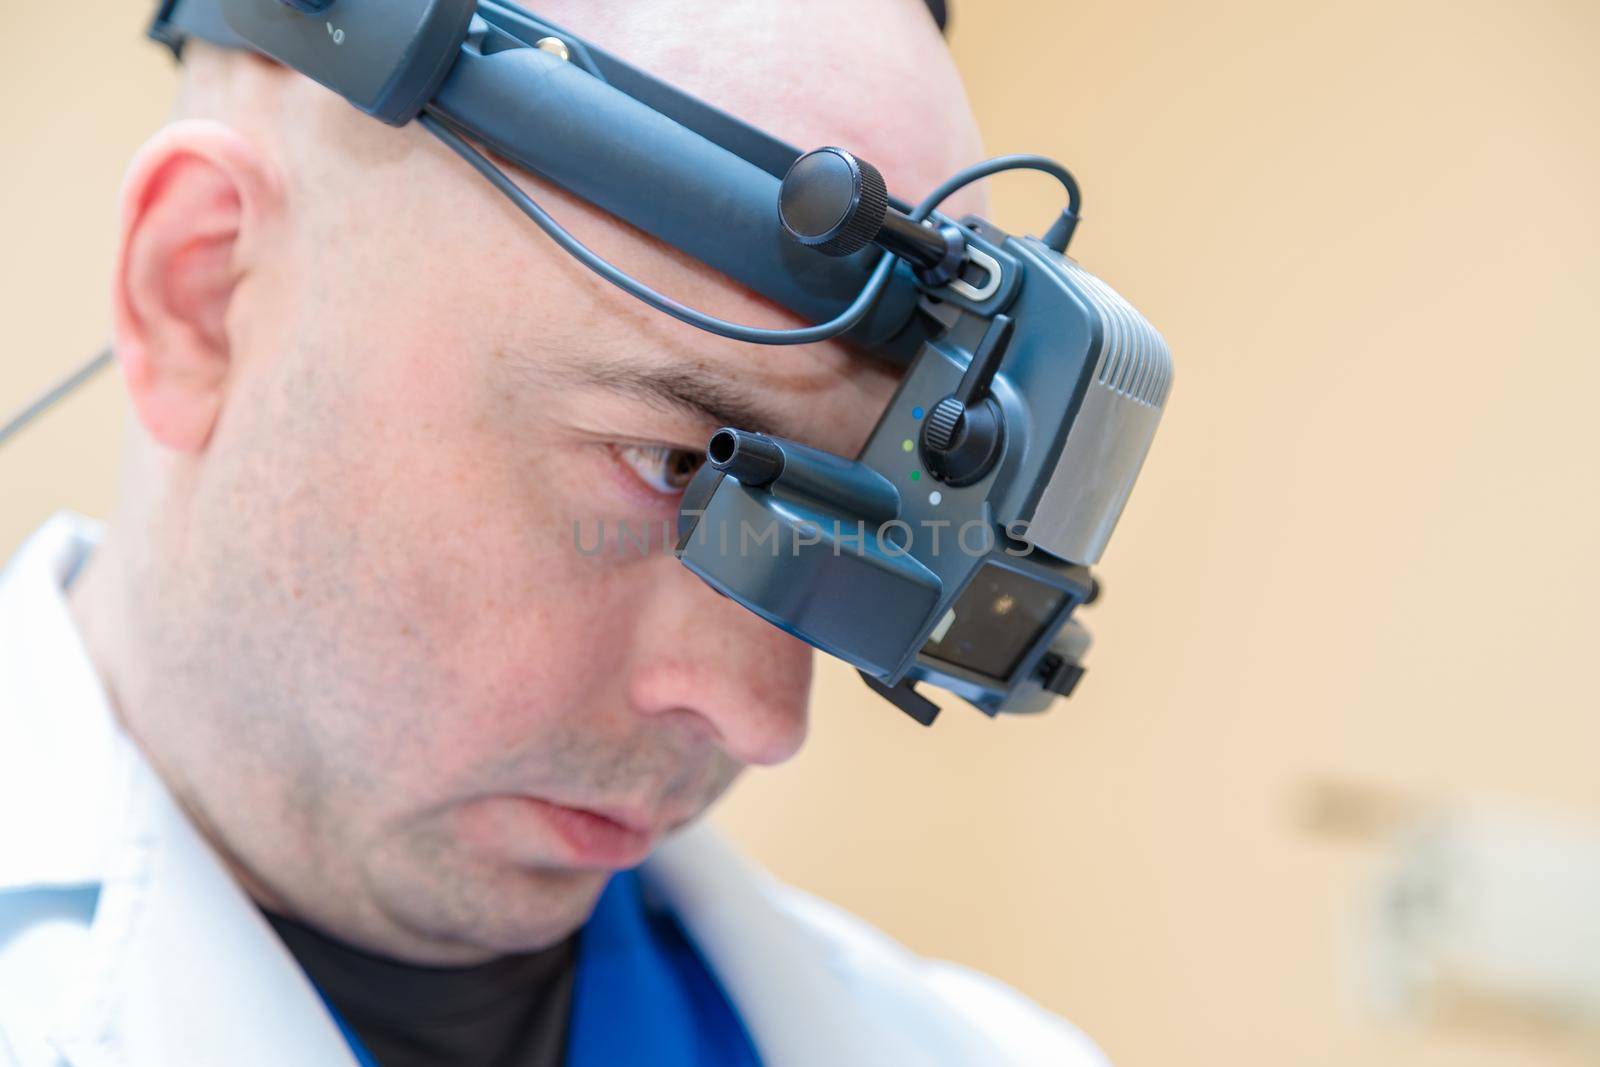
<point>701,395</point>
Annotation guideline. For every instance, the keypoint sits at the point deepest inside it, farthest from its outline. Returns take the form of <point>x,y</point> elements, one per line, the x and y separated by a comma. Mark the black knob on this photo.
<point>961,444</point>
<point>310,7</point>
<point>944,422</point>
<point>964,433</point>
<point>838,204</point>
<point>833,202</point>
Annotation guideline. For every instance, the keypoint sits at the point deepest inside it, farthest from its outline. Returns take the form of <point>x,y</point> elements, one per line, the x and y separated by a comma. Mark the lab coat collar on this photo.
<point>181,966</point>
<point>59,753</point>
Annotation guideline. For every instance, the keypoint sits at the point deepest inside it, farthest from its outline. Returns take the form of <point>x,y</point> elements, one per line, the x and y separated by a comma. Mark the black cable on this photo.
<point>441,127</point>
<point>1060,234</point>
<point>54,394</point>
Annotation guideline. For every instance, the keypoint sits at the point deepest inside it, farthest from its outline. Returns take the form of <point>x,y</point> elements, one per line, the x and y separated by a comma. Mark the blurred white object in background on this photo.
<point>1489,908</point>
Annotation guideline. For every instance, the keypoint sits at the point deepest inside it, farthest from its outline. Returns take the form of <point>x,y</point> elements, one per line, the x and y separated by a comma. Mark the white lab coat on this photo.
<point>123,939</point>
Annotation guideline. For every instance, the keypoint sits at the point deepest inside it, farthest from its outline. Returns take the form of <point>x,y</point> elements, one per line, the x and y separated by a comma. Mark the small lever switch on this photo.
<point>963,434</point>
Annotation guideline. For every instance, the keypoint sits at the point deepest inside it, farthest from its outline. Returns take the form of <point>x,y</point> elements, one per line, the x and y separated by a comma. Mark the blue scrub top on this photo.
<point>642,994</point>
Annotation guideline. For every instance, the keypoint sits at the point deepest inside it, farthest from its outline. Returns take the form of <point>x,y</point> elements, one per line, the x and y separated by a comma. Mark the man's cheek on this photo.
<point>560,641</point>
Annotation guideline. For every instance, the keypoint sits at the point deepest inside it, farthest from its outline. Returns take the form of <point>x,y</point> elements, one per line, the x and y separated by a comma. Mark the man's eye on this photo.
<point>664,469</point>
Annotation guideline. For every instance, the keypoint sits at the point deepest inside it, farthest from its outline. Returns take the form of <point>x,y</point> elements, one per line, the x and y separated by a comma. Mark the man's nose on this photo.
<point>699,655</point>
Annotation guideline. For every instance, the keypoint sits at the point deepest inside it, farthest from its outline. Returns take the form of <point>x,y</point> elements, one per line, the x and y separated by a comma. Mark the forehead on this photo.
<point>581,336</point>
<point>884,86</point>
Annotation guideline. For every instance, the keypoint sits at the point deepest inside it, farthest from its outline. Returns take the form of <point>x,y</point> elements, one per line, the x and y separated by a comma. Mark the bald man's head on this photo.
<point>351,606</point>
<point>884,84</point>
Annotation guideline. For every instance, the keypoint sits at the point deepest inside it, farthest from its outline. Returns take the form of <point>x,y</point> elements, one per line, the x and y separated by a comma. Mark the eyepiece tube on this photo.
<point>755,460</point>
<point>786,468</point>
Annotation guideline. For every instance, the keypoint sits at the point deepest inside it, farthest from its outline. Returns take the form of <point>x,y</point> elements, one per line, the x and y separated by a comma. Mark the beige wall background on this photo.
<point>1361,562</point>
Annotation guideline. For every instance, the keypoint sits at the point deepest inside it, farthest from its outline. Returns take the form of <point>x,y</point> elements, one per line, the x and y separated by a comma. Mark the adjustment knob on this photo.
<point>838,204</point>
<point>310,7</point>
<point>939,433</point>
<point>965,432</point>
<point>962,444</point>
<point>833,202</point>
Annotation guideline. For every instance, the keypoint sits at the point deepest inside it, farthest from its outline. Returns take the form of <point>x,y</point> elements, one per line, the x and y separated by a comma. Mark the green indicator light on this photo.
<point>916,476</point>
<point>907,445</point>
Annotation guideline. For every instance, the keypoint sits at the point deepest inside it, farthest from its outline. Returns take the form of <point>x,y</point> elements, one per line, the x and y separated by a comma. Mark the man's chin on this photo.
<point>478,916</point>
<point>455,897</point>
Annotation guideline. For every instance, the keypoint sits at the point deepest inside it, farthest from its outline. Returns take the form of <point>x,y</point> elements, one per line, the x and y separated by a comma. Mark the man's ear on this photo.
<point>195,204</point>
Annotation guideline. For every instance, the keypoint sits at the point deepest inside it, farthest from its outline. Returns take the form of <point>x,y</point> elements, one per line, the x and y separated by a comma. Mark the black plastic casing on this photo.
<point>388,58</point>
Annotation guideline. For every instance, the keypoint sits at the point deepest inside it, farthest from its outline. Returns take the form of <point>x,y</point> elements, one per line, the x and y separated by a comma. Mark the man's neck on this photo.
<point>97,603</point>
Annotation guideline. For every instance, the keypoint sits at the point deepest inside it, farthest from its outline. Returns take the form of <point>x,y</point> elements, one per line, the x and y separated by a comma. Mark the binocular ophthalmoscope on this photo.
<point>955,548</point>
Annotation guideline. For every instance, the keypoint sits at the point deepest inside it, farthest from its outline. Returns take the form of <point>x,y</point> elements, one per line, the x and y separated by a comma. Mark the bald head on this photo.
<point>874,76</point>
<point>343,607</point>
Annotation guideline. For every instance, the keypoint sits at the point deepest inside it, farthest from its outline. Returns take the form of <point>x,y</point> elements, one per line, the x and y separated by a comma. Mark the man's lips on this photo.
<point>604,838</point>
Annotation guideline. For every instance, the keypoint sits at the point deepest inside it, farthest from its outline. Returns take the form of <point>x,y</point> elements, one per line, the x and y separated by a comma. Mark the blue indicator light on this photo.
<point>916,413</point>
